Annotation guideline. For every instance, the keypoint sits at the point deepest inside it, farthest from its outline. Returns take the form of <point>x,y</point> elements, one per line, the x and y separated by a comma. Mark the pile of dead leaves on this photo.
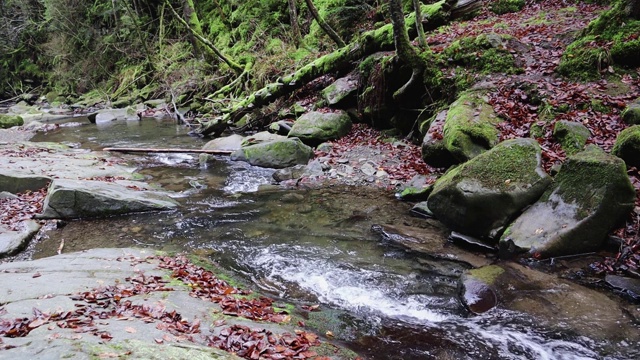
<point>15,210</point>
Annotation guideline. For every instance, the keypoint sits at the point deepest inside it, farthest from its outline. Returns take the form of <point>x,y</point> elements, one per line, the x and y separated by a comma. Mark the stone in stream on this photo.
<point>275,154</point>
<point>590,195</point>
<point>315,127</point>
<point>83,198</point>
<point>481,196</point>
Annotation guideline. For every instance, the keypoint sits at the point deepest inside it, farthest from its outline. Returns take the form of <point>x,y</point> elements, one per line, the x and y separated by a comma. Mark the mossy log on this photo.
<point>380,39</point>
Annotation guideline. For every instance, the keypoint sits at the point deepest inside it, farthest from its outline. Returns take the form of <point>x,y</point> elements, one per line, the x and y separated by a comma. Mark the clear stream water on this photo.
<point>311,247</point>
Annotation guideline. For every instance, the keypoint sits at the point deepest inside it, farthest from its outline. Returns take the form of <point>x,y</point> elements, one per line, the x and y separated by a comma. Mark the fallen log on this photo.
<point>149,150</point>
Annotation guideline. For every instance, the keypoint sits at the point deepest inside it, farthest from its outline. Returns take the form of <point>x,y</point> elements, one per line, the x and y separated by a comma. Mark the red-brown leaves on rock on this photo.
<point>263,344</point>
<point>24,207</point>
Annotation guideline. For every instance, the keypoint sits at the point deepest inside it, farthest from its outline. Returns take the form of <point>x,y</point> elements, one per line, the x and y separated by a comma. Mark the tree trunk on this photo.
<point>406,52</point>
<point>293,19</point>
<point>323,24</point>
<point>422,40</point>
<point>189,13</point>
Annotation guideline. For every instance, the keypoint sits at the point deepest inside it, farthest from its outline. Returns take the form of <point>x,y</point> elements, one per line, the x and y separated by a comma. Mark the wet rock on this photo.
<point>481,196</point>
<point>469,128</point>
<point>421,209</point>
<point>315,127</point>
<point>275,154</point>
<point>631,114</point>
<point>281,127</point>
<point>342,92</point>
<point>466,241</point>
<point>571,135</point>
<point>434,151</point>
<point>430,240</point>
<point>417,189</point>
<point>290,173</point>
<point>7,121</point>
<point>627,146</point>
<point>590,195</point>
<point>12,241</point>
<point>106,115</point>
<point>231,143</point>
<point>80,199</point>
<point>628,286</point>
<point>477,288</point>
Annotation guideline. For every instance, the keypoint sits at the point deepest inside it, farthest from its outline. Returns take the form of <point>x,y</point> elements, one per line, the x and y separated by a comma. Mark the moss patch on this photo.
<point>484,53</point>
<point>506,6</point>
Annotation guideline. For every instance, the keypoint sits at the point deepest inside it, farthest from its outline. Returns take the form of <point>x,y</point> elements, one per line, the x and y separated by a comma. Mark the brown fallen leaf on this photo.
<point>130,330</point>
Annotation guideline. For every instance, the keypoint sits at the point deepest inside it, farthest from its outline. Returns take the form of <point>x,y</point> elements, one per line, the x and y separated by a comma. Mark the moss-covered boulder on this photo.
<point>481,196</point>
<point>83,198</point>
<point>627,146</point>
<point>486,53</point>
<point>571,135</point>
<point>343,92</point>
<point>316,127</point>
<point>7,121</point>
<point>434,152</point>
<point>469,127</point>
<point>590,195</point>
<point>276,154</point>
<point>631,113</point>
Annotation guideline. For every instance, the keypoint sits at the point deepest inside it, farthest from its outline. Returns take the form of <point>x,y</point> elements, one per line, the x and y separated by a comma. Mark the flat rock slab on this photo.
<point>80,199</point>
<point>12,241</point>
<point>48,284</point>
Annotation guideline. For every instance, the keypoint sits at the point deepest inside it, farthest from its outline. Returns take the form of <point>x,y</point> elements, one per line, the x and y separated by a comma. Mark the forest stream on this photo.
<point>313,246</point>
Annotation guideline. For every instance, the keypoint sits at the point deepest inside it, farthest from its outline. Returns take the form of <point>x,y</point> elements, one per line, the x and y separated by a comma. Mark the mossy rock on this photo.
<point>571,135</point>
<point>590,196</point>
<point>481,196</point>
<point>627,146</point>
<point>342,93</point>
<point>276,154</point>
<point>506,6</point>
<point>631,113</point>
<point>486,53</point>
<point>8,121</point>
<point>469,127</point>
<point>315,127</point>
<point>434,151</point>
<point>478,290</point>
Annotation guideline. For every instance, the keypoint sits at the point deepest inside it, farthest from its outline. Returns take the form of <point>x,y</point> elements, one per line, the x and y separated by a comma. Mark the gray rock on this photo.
<point>231,143</point>
<point>434,152</point>
<point>481,196</point>
<point>627,146</point>
<point>571,135</point>
<point>314,128</point>
<point>275,154</point>
<point>341,91</point>
<point>263,136</point>
<point>631,114</point>
<point>590,195</point>
<point>8,195</point>
<point>290,173</point>
<point>129,114</point>
<point>12,241</point>
<point>17,183</point>
<point>80,199</point>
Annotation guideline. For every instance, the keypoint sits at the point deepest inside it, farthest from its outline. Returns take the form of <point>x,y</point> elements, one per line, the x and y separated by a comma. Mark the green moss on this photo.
<point>572,136</point>
<point>627,146</point>
<point>469,127</point>
<point>415,194</point>
<point>506,6</point>
<point>487,274</point>
<point>482,53</point>
<point>631,113</point>
<point>7,121</point>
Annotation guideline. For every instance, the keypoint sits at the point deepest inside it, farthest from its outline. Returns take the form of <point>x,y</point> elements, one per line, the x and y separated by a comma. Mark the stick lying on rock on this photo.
<point>149,150</point>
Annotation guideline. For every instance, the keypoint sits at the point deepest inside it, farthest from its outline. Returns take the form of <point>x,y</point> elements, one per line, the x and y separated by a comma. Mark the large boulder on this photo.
<point>230,143</point>
<point>469,128</point>
<point>481,196</point>
<point>627,146</point>
<point>316,127</point>
<point>275,154</point>
<point>590,195</point>
<point>106,115</point>
<point>84,198</point>
<point>7,121</point>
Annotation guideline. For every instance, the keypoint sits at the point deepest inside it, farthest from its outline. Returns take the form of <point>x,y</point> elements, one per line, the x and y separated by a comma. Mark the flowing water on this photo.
<point>312,247</point>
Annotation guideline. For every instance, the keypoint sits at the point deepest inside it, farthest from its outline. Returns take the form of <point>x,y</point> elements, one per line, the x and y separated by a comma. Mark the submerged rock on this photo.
<point>590,195</point>
<point>275,154</point>
<point>80,199</point>
<point>481,196</point>
<point>315,127</point>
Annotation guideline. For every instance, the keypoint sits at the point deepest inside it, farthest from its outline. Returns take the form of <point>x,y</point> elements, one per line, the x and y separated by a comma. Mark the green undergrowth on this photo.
<point>610,41</point>
<point>485,54</point>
